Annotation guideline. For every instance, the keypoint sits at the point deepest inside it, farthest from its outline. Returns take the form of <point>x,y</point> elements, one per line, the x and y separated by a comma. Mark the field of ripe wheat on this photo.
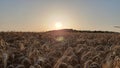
<point>59,49</point>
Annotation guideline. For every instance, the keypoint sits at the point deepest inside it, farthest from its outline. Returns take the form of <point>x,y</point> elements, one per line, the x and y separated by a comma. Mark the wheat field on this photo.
<point>59,49</point>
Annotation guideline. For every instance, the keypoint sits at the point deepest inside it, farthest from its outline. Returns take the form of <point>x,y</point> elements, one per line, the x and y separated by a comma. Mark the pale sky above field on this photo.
<point>42,15</point>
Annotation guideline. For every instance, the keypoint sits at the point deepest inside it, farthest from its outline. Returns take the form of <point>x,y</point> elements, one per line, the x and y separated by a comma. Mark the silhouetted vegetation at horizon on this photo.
<point>63,30</point>
<point>82,31</point>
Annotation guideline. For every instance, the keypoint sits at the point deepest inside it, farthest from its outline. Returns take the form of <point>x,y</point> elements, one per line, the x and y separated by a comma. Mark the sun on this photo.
<point>58,25</point>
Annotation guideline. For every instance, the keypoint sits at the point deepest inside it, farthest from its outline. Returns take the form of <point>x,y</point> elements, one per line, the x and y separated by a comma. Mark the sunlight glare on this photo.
<point>58,25</point>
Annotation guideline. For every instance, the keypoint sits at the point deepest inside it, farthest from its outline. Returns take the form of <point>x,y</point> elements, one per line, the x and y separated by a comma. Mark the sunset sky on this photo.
<point>42,15</point>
